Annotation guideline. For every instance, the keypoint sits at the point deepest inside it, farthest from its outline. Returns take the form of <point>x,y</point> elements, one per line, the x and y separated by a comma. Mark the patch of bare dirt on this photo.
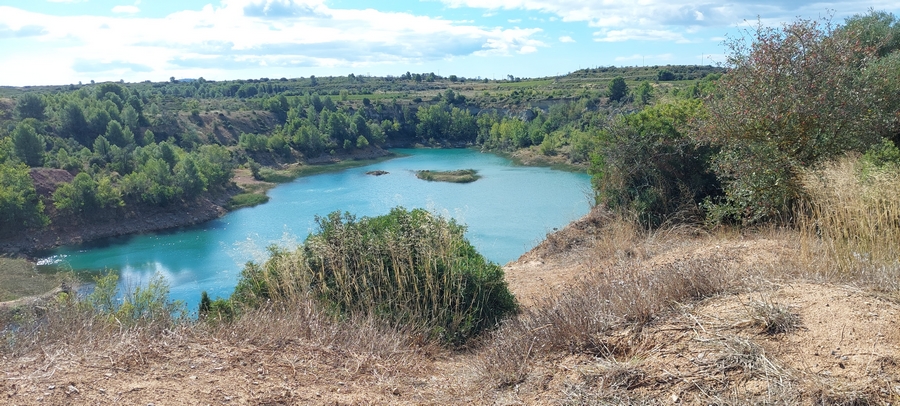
<point>46,180</point>
<point>845,350</point>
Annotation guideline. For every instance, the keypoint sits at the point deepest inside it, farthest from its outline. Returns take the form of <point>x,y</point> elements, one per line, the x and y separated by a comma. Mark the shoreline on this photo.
<point>143,220</point>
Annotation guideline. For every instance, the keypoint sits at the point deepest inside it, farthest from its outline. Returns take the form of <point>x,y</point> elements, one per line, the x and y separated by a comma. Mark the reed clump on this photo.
<point>407,267</point>
<point>852,215</point>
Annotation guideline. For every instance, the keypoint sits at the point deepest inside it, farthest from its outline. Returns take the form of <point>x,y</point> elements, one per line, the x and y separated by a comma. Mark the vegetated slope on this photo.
<point>765,330</point>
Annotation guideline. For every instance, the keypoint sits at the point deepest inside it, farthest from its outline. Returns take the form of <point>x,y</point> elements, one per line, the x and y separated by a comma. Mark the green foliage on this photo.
<point>617,89</point>
<point>648,165</point>
<point>665,75</point>
<point>458,176</point>
<point>215,310</point>
<point>83,195</point>
<point>792,100</point>
<point>140,305</point>
<point>30,105</point>
<point>882,155</point>
<point>246,200</point>
<point>877,29</point>
<point>644,92</point>
<point>20,206</point>
<point>29,145</point>
<point>408,267</point>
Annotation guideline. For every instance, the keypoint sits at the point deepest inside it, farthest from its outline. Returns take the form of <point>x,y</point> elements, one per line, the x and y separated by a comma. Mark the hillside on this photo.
<point>832,342</point>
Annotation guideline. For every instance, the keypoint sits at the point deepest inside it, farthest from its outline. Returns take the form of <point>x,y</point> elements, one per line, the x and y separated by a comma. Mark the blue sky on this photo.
<point>52,42</point>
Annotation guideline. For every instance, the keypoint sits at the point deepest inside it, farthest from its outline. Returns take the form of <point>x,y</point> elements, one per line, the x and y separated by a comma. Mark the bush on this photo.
<point>647,165</point>
<point>140,305</point>
<point>793,98</point>
<point>246,200</point>
<point>407,267</point>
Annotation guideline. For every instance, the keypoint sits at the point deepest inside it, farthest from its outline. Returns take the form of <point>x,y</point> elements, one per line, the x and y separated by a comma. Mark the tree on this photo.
<point>665,75</point>
<point>188,177</point>
<point>617,89</point>
<point>149,138</point>
<point>20,206</point>
<point>29,145</point>
<point>877,29</point>
<point>644,92</point>
<point>115,135</point>
<point>130,117</point>
<point>648,165</point>
<point>101,148</point>
<point>74,123</point>
<point>78,196</point>
<point>30,105</point>
<point>793,97</point>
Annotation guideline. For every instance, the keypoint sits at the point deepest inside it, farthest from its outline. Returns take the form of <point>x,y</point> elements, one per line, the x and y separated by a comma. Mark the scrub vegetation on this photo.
<point>457,176</point>
<point>743,250</point>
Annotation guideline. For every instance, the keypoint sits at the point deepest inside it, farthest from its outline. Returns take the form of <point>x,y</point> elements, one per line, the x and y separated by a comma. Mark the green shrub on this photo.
<point>215,310</point>
<point>793,98</point>
<point>246,200</point>
<point>646,163</point>
<point>407,267</point>
<point>140,305</point>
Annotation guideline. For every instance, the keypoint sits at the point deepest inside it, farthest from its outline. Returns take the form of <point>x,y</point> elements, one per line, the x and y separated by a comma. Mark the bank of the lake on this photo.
<point>142,219</point>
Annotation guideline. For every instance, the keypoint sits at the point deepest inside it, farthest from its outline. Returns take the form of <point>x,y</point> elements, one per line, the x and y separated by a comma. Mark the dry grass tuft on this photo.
<point>773,318</point>
<point>850,228</point>
<point>745,356</point>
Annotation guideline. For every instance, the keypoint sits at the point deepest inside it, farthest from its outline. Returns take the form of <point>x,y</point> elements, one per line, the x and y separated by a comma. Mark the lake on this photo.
<point>507,212</point>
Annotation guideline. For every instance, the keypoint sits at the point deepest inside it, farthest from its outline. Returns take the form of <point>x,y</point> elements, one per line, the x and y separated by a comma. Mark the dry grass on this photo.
<point>623,297</point>
<point>773,318</point>
<point>850,228</point>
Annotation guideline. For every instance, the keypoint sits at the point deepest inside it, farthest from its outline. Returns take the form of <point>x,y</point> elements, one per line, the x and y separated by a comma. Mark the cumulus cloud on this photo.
<point>243,33</point>
<point>566,38</point>
<point>7,31</point>
<point>631,34</point>
<point>649,14</point>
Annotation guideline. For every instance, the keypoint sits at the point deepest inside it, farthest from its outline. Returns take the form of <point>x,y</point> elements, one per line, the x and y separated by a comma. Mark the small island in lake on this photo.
<point>458,176</point>
<point>377,173</point>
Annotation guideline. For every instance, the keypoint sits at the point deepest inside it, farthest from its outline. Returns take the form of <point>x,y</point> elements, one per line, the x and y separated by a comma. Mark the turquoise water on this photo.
<point>508,211</point>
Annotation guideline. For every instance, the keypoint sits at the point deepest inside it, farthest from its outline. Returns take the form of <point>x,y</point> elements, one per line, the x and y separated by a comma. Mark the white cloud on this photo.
<point>126,10</point>
<point>645,58</point>
<point>566,38</point>
<point>630,34</point>
<point>514,21</point>
<point>654,14</point>
<point>240,34</point>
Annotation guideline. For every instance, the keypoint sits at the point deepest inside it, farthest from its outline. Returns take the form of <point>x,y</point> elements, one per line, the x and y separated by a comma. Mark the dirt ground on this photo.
<point>837,344</point>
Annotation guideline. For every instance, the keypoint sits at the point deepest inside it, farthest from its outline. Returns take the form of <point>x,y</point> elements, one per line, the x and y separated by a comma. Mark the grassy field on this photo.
<point>18,278</point>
